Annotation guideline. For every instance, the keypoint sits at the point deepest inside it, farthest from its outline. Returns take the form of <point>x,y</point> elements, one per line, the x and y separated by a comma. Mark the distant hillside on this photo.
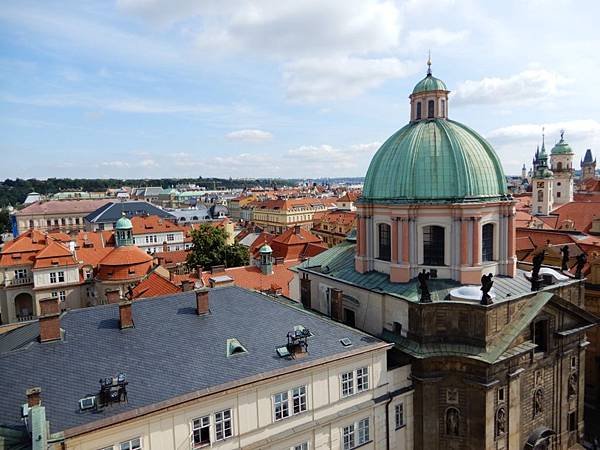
<point>14,192</point>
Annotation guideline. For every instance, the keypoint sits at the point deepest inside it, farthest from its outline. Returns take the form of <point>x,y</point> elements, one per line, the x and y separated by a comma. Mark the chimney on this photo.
<point>199,272</point>
<point>113,295</point>
<point>49,319</point>
<point>187,285</point>
<point>336,304</point>
<point>125,314</point>
<point>202,301</point>
<point>34,396</point>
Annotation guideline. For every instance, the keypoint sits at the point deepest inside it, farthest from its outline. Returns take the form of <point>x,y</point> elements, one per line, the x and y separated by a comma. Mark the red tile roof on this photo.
<point>154,285</point>
<point>581,213</point>
<point>54,254</point>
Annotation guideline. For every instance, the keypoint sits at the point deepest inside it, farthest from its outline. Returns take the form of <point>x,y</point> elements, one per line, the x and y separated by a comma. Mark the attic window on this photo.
<point>235,348</point>
<point>54,262</point>
<point>16,256</point>
<point>346,342</point>
<point>131,271</point>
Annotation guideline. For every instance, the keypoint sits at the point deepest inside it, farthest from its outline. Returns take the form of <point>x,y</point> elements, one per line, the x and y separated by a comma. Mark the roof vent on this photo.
<point>235,348</point>
<point>346,342</point>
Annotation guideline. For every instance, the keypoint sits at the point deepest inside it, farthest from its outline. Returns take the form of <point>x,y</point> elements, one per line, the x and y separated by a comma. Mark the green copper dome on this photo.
<point>561,148</point>
<point>429,83</point>
<point>123,224</point>
<point>265,249</point>
<point>435,161</point>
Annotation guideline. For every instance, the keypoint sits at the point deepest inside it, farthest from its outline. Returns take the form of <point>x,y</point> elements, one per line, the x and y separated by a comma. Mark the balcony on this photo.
<point>21,281</point>
<point>26,318</point>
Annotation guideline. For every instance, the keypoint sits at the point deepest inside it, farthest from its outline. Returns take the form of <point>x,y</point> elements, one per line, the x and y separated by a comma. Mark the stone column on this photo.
<point>394,240</point>
<point>336,305</point>
<point>511,256</point>
<point>476,241</point>
<point>464,244</point>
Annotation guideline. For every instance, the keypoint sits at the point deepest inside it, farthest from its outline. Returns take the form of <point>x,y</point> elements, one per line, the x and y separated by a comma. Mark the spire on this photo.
<point>429,64</point>
<point>543,140</point>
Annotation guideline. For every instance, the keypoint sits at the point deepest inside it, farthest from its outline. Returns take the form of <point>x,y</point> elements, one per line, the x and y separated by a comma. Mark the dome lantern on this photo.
<point>124,232</point>
<point>429,98</point>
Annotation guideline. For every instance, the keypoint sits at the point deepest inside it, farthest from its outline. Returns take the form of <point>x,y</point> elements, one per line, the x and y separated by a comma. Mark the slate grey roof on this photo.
<point>112,212</point>
<point>170,352</point>
<point>338,263</point>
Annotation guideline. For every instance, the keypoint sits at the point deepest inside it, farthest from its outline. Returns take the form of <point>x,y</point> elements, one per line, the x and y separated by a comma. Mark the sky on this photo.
<point>282,88</point>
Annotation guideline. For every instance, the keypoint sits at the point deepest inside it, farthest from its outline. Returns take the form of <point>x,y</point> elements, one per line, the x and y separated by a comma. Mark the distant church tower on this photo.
<point>588,166</point>
<point>543,179</point>
<point>524,172</point>
<point>561,159</point>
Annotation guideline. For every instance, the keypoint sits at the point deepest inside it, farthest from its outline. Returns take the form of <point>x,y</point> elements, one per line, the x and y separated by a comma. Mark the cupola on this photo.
<point>429,98</point>
<point>124,232</point>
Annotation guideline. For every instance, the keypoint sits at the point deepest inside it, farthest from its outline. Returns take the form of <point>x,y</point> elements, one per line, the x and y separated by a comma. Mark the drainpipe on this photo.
<point>387,423</point>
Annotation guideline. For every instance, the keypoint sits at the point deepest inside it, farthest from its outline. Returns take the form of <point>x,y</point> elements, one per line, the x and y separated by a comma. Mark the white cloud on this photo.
<point>250,136</point>
<point>148,163</point>
<point>317,79</point>
<point>434,38</point>
<point>128,105</point>
<point>115,164</point>
<point>529,86</point>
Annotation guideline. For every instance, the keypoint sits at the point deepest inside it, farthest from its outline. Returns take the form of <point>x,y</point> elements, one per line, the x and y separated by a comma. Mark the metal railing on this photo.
<point>25,318</point>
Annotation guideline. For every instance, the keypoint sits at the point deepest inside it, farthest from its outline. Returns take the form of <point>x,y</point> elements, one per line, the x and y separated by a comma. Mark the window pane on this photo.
<point>433,245</point>
<point>384,242</point>
<point>362,379</point>
<point>363,431</point>
<point>487,237</point>
<point>347,384</point>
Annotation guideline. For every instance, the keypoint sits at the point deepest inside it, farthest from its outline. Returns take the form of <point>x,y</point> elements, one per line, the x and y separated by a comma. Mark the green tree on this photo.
<point>4,221</point>
<point>236,255</point>
<point>209,248</point>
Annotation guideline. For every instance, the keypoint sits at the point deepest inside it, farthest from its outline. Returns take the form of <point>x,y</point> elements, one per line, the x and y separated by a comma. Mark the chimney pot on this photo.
<point>187,285</point>
<point>125,314</point>
<point>34,396</point>
<point>113,296</point>
<point>49,319</point>
<point>202,301</point>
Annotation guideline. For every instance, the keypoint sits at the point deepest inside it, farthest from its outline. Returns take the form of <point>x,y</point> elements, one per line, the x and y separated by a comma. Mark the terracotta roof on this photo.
<point>54,254</point>
<point>349,196</point>
<point>92,256</point>
<point>60,236</point>
<point>293,244</point>
<point>172,258</point>
<point>335,217</point>
<point>154,224</point>
<point>154,286</point>
<point>251,277</point>
<point>63,207</point>
<point>124,256</point>
<point>22,250</point>
<point>581,213</point>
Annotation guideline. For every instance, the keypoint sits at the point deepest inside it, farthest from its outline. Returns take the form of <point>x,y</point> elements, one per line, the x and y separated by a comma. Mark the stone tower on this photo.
<point>588,166</point>
<point>542,200</point>
<point>561,160</point>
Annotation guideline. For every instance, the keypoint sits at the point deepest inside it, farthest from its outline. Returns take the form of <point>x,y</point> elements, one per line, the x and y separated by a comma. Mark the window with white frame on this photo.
<point>57,277</point>
<point>170,237</point>
<point>355,381</point>
<point>303,446</point>
<point>20,274</point>
<point>399,415</point>
<point>362,379</point>
<point>52,277</point>
<point>223,428</point>
<point>347,384</point>
<point>132,444</point>
<point>355,434</point>
<point>299,399</point>
<point>281,408</point>
<point>201,432</point>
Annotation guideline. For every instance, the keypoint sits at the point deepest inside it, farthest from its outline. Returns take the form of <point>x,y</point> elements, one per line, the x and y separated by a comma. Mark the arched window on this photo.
<point>384,242</point>
<point>487,242</point>
<point>433,245</point>
<point>443,108</point>
<point>559,166</point>
<point>418,110</point>
<point>540,196</point>
<point>430,109</point>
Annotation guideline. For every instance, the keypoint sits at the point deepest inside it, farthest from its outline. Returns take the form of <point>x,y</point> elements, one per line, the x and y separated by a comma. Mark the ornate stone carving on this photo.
<point>452,396</point>
<point>501,421</point>
<point>452,422</point>
<point>538,402</point>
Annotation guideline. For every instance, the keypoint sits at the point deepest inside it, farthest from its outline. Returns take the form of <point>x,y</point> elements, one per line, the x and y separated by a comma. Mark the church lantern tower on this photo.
<point>588,166</point>
<point>542,194</point>
<point>435,198</point>
<point>561,161</point>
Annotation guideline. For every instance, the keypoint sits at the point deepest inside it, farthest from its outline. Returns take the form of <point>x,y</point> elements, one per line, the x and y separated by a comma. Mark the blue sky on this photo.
<point>149,88</point>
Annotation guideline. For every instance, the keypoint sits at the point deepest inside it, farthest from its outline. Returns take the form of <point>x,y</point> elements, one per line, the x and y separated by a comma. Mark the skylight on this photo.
<point>235,348</point>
